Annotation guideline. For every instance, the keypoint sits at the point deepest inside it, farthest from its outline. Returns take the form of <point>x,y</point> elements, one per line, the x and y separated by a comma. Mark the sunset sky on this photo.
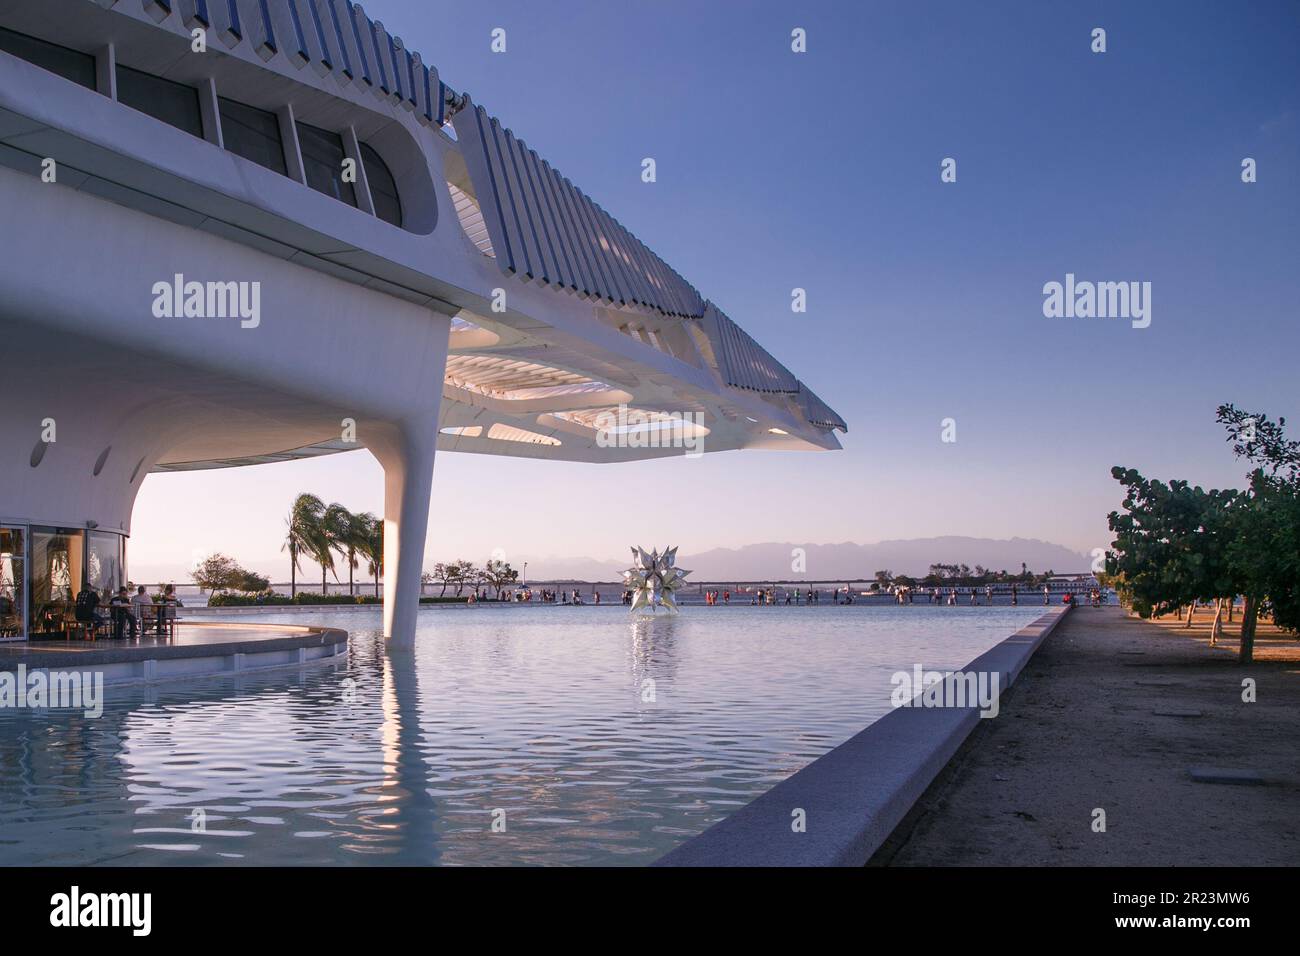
<point>925,299</point>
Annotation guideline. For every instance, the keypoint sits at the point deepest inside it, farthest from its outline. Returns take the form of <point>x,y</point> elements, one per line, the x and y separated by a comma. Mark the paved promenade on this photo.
<point>1124,715</point>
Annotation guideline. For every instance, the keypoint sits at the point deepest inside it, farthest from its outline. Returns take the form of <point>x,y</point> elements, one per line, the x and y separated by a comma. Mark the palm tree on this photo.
<point>341,532</point>
<point>305,519</point>
<point>370,542</point>
<point>353,546</point>
<point>439,573</point>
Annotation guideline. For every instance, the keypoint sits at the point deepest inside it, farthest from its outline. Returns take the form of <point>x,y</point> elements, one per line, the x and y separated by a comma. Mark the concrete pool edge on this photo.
<point>147,664</point>
<point>853,797</point>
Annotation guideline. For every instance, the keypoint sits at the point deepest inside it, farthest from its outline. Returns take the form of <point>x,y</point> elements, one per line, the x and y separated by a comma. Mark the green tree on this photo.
<point>335,527</point>
<point>499,575</point>
<point>346,535</point>
<point>305,532</point>
<point>342,531</point>
<point>459,574</point>
<point>439,573</point>
<point>370,544</point>
<point>250,582</point>
<point>1266,550</point>
<point>216,572</point>
<point>1172,543</point>
<point>1177,544</point>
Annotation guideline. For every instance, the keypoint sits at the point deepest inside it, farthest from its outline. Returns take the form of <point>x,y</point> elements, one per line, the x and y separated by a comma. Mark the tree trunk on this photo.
<point>351,588</point>
<point>293,578</point>
<point>1217,628</point>
<point>1232,603</point>
<point>444,590</point>
<point>1190,609</point>
<point>1249,617</point>
<point>324,585</point>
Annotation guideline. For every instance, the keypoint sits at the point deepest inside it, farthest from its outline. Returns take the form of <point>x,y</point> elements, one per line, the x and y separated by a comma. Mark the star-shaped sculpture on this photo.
<point>654,579</point>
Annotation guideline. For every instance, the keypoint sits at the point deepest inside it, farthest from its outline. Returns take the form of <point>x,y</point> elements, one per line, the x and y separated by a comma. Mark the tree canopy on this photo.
<point>1177,544</point>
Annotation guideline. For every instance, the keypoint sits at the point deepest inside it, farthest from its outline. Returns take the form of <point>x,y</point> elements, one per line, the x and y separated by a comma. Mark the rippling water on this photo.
<point>594,739</point>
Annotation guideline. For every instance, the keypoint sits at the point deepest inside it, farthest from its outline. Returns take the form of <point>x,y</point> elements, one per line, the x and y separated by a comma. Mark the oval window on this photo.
<point>383,187</point>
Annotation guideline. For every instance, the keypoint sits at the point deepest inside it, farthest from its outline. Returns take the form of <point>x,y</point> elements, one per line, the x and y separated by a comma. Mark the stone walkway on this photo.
<point>1104,717</point>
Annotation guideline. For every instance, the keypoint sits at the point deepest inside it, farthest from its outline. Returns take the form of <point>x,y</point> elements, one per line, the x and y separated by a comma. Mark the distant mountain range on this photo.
<point>835,562</point>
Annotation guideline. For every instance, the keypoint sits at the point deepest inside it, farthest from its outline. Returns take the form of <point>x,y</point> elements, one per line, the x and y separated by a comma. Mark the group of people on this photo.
<point>557,597</point>
<point>951,596</point>
<point>954,595</point>
<point>524,595</point>
<point>126,611</point>
<point>1095,597</point>
<point>767,596</point>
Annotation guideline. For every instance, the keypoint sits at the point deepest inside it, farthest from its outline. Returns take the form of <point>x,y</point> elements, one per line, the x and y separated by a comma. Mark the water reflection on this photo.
<point>406,775</point>
<point>541,713</point>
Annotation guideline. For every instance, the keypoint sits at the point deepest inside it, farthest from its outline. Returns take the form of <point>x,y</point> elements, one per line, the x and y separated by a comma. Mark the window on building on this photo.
<point>253,134</point>
<point>105,563</point>
<point>174,103</point>
<point>322,161</point>
<point>69,64</point>
<point>383,188</point>
<point>13,583</point>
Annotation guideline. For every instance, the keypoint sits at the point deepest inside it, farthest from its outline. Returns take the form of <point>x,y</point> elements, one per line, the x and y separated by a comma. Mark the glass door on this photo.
<point>56,572</point>
<point>13,584</point>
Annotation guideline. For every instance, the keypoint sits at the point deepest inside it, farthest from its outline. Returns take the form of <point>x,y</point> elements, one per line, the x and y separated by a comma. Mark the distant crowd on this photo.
<point>954,595</point>
<point>769,596</point>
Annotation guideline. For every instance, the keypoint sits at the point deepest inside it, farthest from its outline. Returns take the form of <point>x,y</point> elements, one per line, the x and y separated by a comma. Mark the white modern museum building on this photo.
<point>246,231</point>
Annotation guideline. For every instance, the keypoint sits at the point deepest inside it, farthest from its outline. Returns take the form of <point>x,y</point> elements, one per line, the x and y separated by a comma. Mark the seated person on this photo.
<point>139,601</point>
<point>120,607</point>
<point>86,610</point>
<point>170,602</point>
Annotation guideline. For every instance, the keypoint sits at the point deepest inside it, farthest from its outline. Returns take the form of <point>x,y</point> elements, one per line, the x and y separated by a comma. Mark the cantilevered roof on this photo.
<point>543,228</point>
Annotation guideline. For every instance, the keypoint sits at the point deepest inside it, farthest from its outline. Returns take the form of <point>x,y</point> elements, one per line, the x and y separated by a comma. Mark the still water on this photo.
<point>520,735</point>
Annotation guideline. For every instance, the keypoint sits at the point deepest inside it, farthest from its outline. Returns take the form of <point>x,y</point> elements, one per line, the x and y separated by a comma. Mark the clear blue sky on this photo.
<point>821,170</point>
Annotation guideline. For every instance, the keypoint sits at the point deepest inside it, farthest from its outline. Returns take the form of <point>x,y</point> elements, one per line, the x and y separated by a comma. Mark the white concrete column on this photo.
<point>406,454</point>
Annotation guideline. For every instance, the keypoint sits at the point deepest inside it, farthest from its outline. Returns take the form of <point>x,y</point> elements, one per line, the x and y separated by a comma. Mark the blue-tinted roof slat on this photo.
<point>326,56</point>
<point>340,37</point>
<point>558,227</point>
<point>194,14</point>
<point>233,32</point>
<point>403,54</point>
<point>387,40</point>
<point>588,287</point>
<point>160,10</point>
<point>532,211</point>
<point>299,55</point>
<point>518,207</point>
<point>265,44</point>
<point>354,15</point>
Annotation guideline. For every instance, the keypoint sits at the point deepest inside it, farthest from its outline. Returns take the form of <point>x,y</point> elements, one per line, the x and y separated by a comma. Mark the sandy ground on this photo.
<point>1079,731</point>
